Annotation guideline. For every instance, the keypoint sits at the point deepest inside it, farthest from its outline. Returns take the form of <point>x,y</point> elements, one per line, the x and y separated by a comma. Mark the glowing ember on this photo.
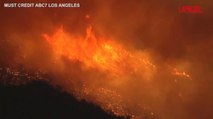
<point>181,74</point>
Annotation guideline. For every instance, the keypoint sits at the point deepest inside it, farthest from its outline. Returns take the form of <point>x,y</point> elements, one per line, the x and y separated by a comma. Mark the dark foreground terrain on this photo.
<point>38,100</point>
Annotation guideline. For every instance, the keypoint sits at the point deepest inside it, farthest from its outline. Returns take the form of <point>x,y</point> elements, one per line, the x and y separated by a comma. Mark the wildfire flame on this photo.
<point>150,60</point>
<point>93,52</point>
<point>107,56</point>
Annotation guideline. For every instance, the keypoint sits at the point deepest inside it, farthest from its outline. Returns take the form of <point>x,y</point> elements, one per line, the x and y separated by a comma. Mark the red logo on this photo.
<point>190,9</point>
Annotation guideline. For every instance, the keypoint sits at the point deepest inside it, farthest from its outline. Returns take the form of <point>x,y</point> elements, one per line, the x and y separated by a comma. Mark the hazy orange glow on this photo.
<point>131,58</point>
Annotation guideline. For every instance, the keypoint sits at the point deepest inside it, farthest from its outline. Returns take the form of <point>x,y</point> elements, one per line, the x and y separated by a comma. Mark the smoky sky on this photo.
<point>178,39</point>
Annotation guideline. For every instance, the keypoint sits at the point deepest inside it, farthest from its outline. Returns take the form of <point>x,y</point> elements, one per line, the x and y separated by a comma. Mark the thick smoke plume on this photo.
<point>132,58</point>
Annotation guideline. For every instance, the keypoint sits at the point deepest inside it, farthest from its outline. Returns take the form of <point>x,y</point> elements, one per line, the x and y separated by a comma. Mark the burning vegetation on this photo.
<point>140,65</point>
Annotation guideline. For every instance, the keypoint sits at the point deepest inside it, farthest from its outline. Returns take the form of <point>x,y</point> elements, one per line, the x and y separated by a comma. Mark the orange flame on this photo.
<point>89,50</point>
<point>108,56</point>
<point>94,52</point>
